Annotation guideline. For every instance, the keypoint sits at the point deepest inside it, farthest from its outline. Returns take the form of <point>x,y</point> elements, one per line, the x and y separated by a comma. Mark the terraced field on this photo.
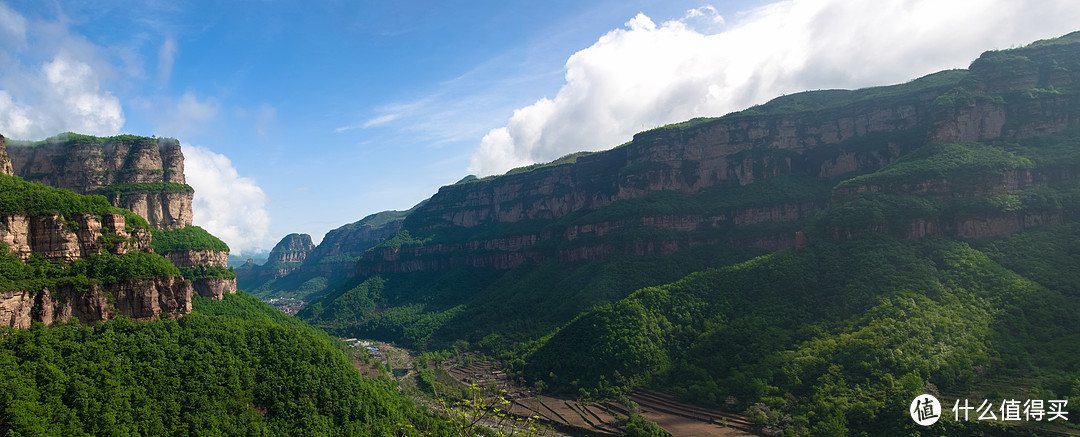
<point>598,418</point>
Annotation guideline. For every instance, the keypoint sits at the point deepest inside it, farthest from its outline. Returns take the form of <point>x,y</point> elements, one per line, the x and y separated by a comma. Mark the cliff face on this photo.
<point>962,154</point>
<point>295,263</point>
<point>137,299</point>
<point>585,241</point>
<point>215,288</point>
<point>57,239</point>
<point>195,258</point>
<point>161,210</point>
<point>90,165</point>
<point>1015,94</point>
<point>1008,95</point>
<point>5,160</point>
<point>294,248</point>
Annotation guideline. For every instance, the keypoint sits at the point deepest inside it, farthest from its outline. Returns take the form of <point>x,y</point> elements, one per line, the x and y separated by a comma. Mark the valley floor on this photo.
<point>568,417</point>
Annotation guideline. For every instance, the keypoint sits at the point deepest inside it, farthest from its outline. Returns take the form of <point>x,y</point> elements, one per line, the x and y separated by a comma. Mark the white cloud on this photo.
<point>646,75</point>
<point>227,205</point>
<point>380,120</point>
<point>12,27</point>
<point>77,100</point>
<point>52,81</point>
<point>166,58</point>
<point>182,117</point>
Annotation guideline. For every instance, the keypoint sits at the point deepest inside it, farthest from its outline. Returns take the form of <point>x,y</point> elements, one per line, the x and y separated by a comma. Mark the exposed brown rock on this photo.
<point>58,239</point>
<point>5,161</point>
<point>194,258</point>
<point>215,288</point>
<point>294,248</point>
<point>86,166</point>
<point>147,299</point>
<point>206,287</point>
<point>161,210</point>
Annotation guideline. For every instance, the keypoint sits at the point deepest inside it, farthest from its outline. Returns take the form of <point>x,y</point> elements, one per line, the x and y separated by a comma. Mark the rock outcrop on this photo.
<point>292,249</point>
<point>215,288</point>
<point>296,262</point>
<point>5,161</point>
<point>535,214</point>
<point>58,239</point>
<point>138,299</point>
<point>195,258</point>
<point>146,174</point>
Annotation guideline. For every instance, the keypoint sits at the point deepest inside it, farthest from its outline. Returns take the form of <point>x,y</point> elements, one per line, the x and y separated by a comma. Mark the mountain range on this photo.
<point>815,263</point>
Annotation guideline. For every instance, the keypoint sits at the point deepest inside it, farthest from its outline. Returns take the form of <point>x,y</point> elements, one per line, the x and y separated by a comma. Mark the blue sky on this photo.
<point>302,116</point>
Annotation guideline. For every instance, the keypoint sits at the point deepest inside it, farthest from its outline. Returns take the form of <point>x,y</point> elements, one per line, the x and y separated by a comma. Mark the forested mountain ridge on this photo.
<point>296,268</point>
<point>973,153</point>
<point>64,256</point>
<point>100,334</point>
<point>68,255</point>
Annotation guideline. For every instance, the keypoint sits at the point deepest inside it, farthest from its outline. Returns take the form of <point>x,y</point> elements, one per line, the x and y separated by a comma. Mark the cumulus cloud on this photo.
<point>226,204</point>
<point>647,74</point>
<point>51,82</point>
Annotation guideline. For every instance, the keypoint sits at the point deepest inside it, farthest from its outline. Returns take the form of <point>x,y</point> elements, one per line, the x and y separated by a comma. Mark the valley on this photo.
<point>559,415</point>
<point>807,266</point>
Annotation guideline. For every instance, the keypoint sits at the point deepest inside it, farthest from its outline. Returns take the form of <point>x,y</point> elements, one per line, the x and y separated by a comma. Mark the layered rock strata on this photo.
<point>87,165</point>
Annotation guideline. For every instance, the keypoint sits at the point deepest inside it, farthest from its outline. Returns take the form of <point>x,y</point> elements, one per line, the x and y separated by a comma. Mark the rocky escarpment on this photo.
<point>5,160</point>
<point>195,258</point>
<point>530,250</point>
<point>294,248</point>
<point>1005,96</point>
<point>212,287</point>
<point>71,256</point>
<point>1019,93</point>
<point>586,241</point>
<point>144,175</point>
<point>877,127</point>
<point>296,262</point>
<point>57,238</point>
<point>138,299</point>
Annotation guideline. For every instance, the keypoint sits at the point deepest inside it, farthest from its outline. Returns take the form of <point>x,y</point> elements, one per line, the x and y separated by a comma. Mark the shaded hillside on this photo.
<point>838,335</point>
<point>974,153</point>
<point>296,268</point>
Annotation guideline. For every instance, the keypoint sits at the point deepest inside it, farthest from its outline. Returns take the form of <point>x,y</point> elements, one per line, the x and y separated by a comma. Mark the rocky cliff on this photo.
<point>196,258</point>
<point>58,238</point>
<point>66,255</point>
<point>294,248</point>
<point>822,135</point>
<point>5,160</point>
<point>296,264</point>
<point>200,256</point>
<point>149,299</point>
<point>962,154</point>
<point>144,175</point>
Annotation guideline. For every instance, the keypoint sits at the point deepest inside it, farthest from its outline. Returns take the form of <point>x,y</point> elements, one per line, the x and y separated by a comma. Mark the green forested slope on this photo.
<point>836,335</point>
<point>231,367</point>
